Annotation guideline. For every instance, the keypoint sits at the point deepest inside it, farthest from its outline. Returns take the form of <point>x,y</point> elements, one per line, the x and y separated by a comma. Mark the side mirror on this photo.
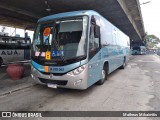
<point>96,31</point>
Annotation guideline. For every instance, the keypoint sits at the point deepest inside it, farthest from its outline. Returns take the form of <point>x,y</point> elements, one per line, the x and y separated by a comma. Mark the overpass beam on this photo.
<point>127,12</point>
<point>18,10</point>
<point>19,23</point>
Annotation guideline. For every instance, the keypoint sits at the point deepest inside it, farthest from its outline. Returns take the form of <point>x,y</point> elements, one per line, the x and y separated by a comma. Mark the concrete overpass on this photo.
<point>125,14</point>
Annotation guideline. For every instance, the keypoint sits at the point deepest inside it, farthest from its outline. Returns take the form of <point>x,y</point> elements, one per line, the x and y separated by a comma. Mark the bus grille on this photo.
<point>57,82</point>
<point>56,74</point>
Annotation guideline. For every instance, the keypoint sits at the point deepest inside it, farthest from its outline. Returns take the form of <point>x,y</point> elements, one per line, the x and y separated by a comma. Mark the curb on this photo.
<point>17,89</point>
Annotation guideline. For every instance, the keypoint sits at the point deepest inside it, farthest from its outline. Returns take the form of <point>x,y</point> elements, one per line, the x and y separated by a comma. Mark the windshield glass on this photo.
<point>136,48</point>
<point>61,40</point>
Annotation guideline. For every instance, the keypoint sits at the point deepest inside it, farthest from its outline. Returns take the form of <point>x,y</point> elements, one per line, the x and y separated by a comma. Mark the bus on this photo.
<point>76,50</point>
<point>139,50</point>
<point>14,49</point>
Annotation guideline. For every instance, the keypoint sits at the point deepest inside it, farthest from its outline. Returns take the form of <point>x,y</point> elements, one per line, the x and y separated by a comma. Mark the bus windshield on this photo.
<point>65,39</point>
<point>7,42</point>
<point>14,49</point>
<point>136,48</point>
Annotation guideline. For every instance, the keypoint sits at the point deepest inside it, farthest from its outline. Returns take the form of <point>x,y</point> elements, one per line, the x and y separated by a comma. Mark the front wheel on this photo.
<point>104,77</point>
<point>124,64</point>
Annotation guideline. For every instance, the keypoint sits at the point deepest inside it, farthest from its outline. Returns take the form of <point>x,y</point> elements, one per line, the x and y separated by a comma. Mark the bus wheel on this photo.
<point>104,76</point>
<point>124,64</point>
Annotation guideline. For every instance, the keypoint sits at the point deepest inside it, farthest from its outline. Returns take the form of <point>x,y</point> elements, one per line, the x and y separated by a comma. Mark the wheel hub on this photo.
<point>103,74</point>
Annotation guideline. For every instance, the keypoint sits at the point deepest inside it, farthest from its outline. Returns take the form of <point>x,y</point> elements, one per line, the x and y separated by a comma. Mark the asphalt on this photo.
<point>136,88</point>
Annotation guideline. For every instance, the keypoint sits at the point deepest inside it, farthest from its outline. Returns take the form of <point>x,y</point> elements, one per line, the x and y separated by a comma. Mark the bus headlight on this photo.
<point>33,76</point>
<point>77,70</point>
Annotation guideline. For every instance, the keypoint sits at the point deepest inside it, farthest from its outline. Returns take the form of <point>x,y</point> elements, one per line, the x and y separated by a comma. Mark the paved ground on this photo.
<point>136,88</point>
<point>7,85</point>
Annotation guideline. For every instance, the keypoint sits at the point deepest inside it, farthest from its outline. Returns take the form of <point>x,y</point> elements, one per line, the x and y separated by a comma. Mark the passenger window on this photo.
<point>94,43</point>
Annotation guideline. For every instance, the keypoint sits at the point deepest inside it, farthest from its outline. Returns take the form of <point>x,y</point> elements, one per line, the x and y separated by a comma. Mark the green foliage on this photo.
<point>152,41</point>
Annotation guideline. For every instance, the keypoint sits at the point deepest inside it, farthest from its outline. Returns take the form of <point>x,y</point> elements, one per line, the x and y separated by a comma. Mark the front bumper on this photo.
<point>64,81</point>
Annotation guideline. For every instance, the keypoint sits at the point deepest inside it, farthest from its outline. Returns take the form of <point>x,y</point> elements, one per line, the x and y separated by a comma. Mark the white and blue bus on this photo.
<point>76,50</point>
<point>14,49</point>
<point>139,50</point>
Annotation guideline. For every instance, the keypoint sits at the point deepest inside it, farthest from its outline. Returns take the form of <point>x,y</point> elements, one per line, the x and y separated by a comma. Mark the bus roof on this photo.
<point>68,14</point>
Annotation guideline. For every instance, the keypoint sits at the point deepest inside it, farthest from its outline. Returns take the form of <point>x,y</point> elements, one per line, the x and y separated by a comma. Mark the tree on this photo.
<point>152,41</point>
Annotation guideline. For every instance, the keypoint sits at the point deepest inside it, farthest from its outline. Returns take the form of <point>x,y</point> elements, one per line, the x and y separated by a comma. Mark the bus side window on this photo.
<point>91,44</point>
<point>94,41</point>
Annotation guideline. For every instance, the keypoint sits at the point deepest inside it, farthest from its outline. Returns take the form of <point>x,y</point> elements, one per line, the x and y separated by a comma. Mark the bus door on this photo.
<point>94,50</point>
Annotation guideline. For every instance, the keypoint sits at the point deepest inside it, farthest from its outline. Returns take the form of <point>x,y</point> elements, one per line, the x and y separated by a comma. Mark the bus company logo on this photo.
<point>9,52</point>
<point>6,114</point>
<point>21,114</point>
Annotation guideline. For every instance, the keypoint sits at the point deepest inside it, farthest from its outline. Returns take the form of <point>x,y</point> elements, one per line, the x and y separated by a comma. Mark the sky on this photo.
<point>151,16</point>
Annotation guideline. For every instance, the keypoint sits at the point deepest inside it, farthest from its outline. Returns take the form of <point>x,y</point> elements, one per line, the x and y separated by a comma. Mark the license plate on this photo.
<point>52,85</point>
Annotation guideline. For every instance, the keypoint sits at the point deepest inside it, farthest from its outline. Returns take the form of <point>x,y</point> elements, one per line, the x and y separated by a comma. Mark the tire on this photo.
<point>104,74</point>
<point>124,64</point>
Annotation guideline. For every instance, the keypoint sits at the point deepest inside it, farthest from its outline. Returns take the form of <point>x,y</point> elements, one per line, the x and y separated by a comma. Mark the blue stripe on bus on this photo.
<point>37,66</point>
